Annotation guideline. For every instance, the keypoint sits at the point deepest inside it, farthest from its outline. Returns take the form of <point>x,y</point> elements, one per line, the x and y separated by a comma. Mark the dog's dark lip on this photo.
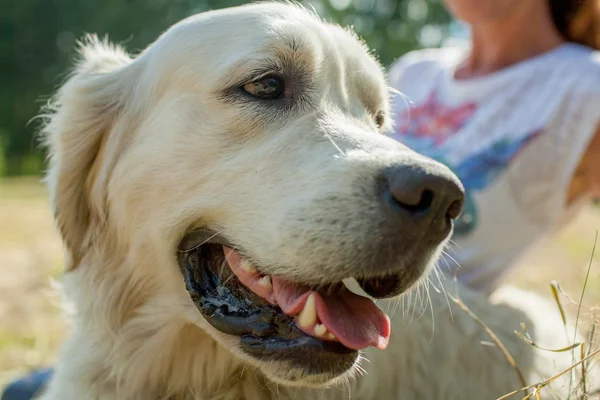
<point>317,356</point>
<point>264,330</point>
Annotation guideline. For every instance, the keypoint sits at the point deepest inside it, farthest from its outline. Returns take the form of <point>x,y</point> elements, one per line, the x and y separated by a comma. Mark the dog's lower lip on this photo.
<point>315,356</point>
<point>262,347</point>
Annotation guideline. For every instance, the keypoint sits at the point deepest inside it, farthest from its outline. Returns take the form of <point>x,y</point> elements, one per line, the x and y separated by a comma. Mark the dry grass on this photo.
<point>31,326</point>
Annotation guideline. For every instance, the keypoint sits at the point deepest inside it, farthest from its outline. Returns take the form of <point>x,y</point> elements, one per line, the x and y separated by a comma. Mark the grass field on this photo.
<point>31,326</point>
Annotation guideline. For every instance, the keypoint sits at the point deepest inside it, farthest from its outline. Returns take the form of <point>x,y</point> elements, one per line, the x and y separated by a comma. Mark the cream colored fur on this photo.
<point>144,148</point>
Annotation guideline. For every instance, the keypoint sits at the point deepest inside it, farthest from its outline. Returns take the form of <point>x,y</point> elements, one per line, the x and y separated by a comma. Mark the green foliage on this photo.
<point>2,160</point>
<point>37,40</point>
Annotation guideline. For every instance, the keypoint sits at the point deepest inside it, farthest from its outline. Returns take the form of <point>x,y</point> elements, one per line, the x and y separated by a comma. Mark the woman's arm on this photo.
<point>594,168</point>
<point>587,176</point>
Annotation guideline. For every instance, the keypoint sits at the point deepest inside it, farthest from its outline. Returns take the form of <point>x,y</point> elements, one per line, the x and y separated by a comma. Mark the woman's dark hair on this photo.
<point>577,20</point>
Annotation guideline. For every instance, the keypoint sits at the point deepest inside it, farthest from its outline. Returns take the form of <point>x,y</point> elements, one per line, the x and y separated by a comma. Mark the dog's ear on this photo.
<point>78,122</point>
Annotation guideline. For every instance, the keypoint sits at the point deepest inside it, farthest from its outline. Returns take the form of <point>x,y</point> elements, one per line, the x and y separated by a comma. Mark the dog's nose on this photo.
<point>428,194</point>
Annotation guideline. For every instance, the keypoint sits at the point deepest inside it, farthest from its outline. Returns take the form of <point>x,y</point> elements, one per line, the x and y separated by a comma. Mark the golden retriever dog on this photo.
<point>232,208</point>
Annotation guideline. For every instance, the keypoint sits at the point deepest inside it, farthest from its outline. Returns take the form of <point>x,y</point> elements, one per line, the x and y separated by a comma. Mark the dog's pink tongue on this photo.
<point>355,320</point>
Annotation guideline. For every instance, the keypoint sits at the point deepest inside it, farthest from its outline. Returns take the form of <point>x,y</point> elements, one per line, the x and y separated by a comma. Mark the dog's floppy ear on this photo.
<point>77,124</point>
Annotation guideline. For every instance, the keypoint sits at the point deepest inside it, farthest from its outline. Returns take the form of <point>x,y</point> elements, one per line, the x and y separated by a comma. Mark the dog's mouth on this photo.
<point>319,328</point>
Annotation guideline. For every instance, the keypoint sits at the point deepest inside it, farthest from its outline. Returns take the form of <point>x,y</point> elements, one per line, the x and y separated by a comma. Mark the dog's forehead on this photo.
<point>249,27</point>
<point>214,50</point>
<point>229,36</point>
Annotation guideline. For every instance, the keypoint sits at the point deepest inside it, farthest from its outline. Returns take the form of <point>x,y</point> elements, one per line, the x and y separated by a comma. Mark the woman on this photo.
<point>516,116</point>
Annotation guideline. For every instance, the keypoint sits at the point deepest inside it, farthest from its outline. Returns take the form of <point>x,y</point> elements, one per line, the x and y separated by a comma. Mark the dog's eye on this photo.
<point>379,119</point>
<point>270,88</point>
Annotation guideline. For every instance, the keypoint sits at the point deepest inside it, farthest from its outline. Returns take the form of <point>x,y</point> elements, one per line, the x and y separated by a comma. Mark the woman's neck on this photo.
<point>504,41</point>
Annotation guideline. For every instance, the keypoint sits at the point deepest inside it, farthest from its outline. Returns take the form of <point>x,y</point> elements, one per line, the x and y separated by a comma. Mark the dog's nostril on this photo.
<point>412,203</point>
<point>455,209</point>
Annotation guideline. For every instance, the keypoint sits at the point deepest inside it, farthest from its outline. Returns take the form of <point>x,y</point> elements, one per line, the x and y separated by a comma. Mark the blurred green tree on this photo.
<point>37,40</point>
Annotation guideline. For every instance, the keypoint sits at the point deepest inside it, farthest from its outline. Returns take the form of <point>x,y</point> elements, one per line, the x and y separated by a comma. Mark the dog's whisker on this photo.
<point>446,263</point>
<point>390,309</point>
<point>432,312</point>
<point>398,303</point>
<point>395,304</point>
<point>222,284</point>
<point>404,306</point>
<point>437,274</point>
<point>361,371</point>
<point>201,244</point>
<point>426,297</point>
<point>334,144</point>
<point>423,291</point>
<point>432,285</point>
<point>453,243</point>
<point>407,304</point>
<point>422,296</point>
<point>414,305</point>
<point>452,259</point>
<point>408,103</point>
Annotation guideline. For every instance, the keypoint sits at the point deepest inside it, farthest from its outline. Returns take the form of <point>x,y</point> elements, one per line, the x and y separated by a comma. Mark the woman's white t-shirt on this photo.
<point>514,138</point>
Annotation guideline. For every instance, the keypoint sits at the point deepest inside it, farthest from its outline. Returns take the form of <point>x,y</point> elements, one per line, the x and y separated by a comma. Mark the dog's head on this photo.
<point>240,162</point>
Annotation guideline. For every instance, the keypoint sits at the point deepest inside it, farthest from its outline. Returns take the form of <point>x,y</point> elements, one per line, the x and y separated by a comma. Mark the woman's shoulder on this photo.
<point>415,64</point>
<point>583,63</point>
<point>586,55</point>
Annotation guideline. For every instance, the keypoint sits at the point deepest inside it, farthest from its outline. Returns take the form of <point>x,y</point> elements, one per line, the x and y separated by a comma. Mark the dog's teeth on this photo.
<point>308,315</point>
<point>330,336</point>
<point>320,330</point>
<point>265,282</point>
<point>248,266</point>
